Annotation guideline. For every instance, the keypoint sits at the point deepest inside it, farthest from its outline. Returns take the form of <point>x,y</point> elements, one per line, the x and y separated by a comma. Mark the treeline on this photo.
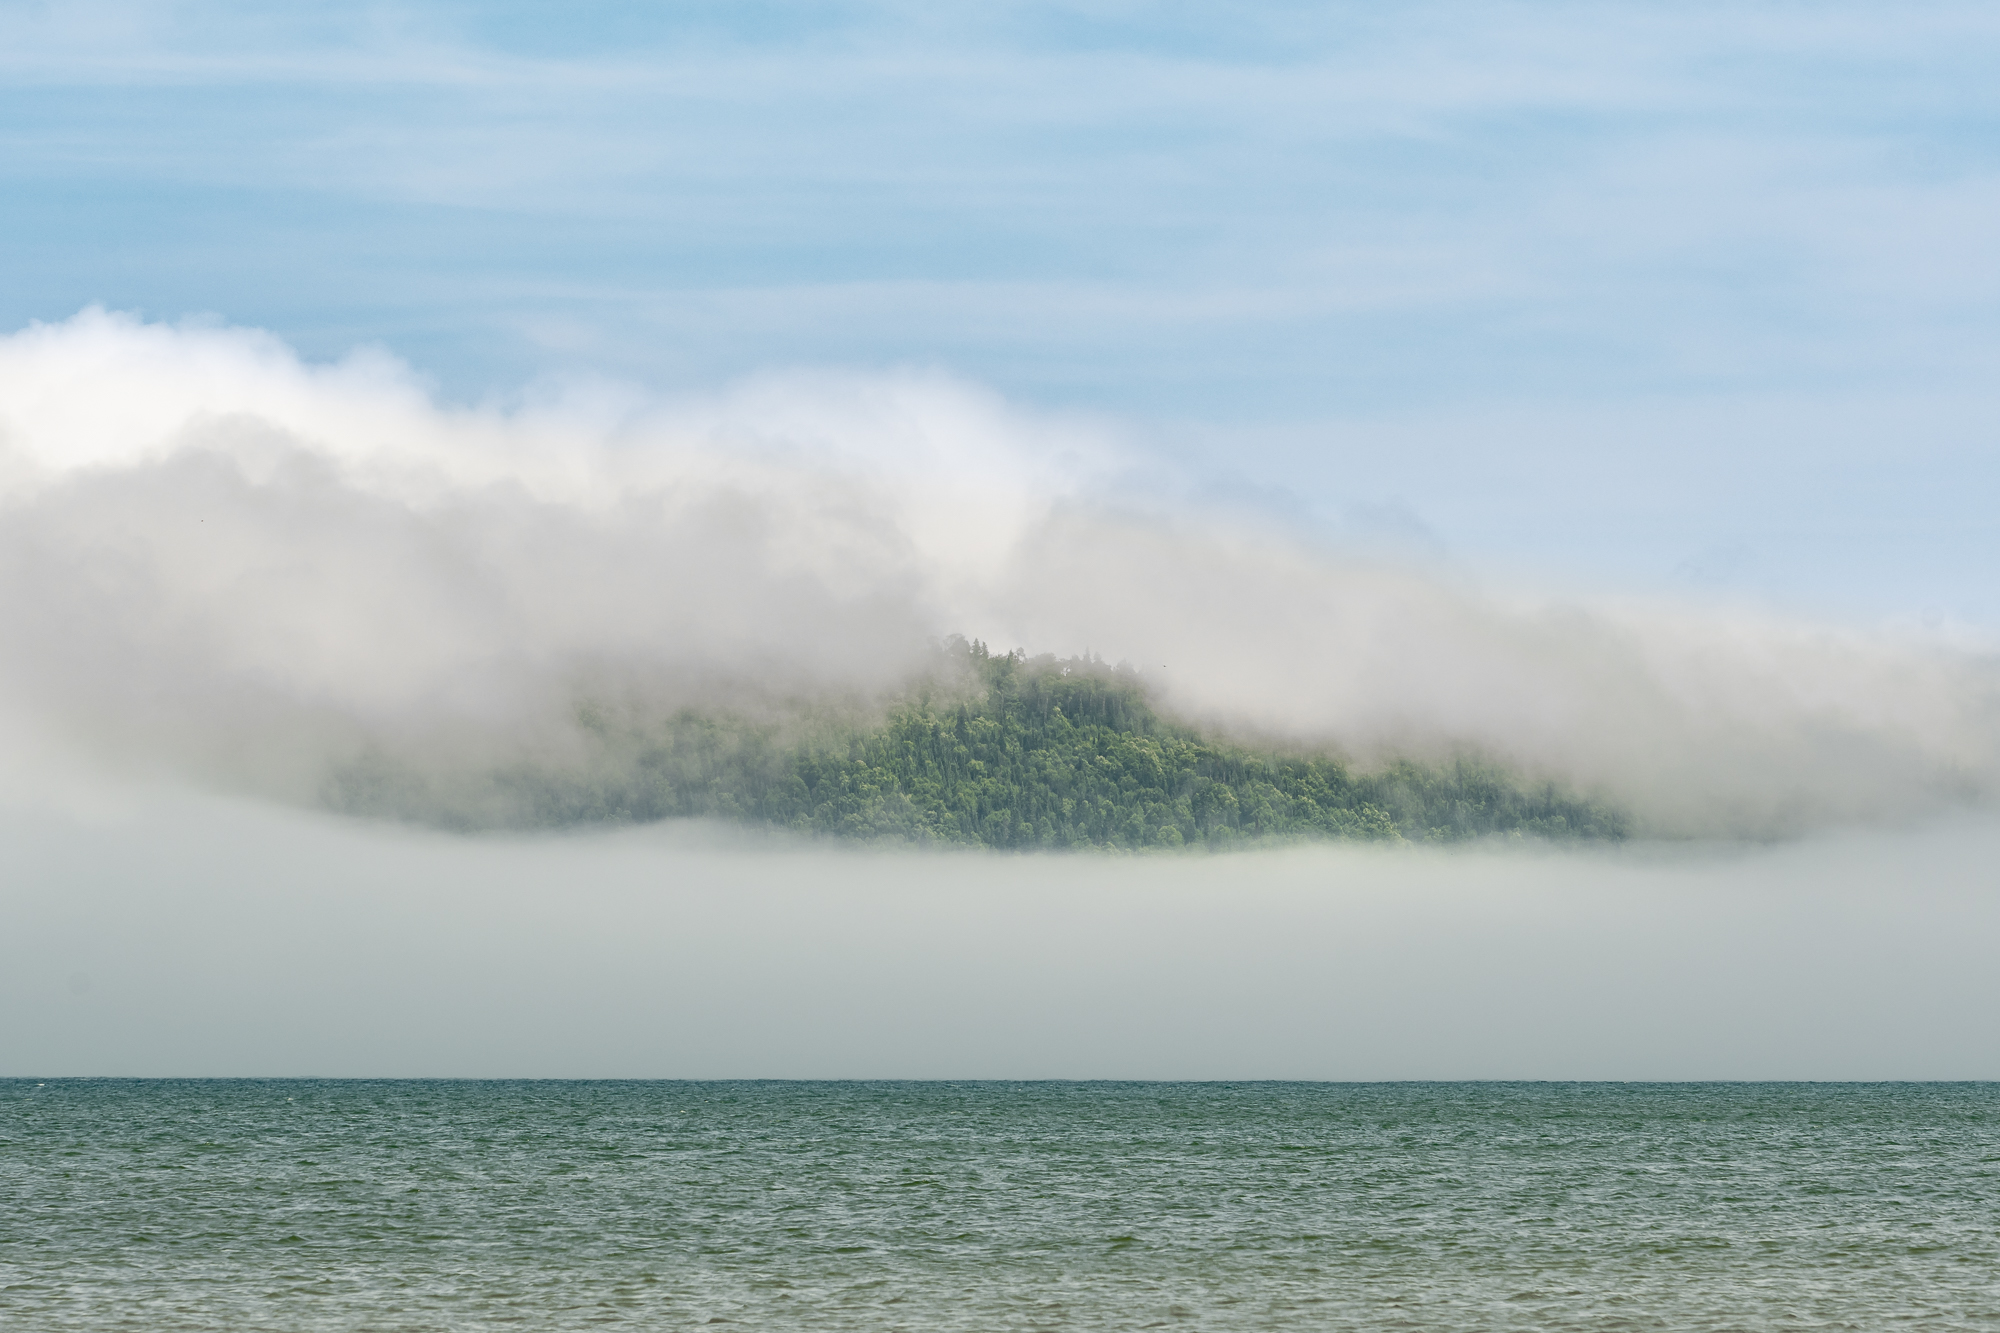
<point>1007,751</point>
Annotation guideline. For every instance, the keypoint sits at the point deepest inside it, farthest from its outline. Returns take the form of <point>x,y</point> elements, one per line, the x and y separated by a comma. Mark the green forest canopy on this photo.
<point>1009,751</point>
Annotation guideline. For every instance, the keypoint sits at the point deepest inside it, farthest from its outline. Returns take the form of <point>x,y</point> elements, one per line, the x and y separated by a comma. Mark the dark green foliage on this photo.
<point>1016,752</point>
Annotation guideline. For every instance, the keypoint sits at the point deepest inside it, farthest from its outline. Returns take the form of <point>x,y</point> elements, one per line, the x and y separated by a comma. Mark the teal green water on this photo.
<point>313,1204</point>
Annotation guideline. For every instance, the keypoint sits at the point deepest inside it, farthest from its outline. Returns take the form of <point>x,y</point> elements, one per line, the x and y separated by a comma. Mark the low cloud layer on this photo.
<point>221,565</point>
<point>192,936</point>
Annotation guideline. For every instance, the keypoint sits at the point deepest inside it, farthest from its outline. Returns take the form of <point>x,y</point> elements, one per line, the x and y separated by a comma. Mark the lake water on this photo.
<point>305,1204</point>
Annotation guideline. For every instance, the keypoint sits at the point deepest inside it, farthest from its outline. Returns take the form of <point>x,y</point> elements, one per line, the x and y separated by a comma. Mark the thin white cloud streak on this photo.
<point>220,564</point>
<point>1529,51</point>
<point>182,938</point>
<point>1452,202</point>
<point>1419,80</point>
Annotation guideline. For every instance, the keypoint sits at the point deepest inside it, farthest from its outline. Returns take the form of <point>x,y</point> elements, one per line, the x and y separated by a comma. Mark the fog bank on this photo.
<point>223,566</point>
<point>187,937</point>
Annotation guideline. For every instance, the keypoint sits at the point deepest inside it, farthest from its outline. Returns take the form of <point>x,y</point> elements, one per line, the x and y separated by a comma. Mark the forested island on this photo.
<point>996,750</point>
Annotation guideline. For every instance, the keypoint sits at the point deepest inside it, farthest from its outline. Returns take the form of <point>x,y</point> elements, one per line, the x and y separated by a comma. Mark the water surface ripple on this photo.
<point>310,1204</point>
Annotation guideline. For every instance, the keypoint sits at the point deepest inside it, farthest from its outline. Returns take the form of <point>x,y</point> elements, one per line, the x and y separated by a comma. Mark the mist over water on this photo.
<point>225,566</point>
<point>228,574</point>
<point>175,936</point>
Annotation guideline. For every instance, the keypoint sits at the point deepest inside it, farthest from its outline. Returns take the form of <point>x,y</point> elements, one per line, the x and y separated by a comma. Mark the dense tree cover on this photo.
<point>1016,752</point>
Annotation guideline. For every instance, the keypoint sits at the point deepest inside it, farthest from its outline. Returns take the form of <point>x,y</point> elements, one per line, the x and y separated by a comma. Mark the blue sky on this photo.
<point>1665,296</point>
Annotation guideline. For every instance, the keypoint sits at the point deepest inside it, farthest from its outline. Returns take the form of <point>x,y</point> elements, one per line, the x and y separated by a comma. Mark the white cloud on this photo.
<point>223,562</point>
